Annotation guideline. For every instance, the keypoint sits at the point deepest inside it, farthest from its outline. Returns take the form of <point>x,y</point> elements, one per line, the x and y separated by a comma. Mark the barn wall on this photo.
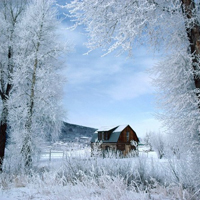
<point>112,146</point>
<point>132,135</point>
<point>125,149</point>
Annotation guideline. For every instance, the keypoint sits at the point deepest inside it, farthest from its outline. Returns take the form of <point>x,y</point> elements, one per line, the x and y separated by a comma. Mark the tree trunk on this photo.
<point>27,151</point>
<point>4,94</point>
<point>3,131</point>
<point>193,34</point>
<point>27,145</point>
<point>3,127</point>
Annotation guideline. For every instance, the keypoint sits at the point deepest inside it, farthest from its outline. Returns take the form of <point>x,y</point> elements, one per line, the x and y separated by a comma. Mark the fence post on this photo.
<point>50,155</point>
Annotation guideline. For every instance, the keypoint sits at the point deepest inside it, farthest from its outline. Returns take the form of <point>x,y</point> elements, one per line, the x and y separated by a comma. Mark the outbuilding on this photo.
<point>118,138</point>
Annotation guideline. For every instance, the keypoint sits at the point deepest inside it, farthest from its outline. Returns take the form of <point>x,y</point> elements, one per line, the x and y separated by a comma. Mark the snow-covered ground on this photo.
<point>75,175</point>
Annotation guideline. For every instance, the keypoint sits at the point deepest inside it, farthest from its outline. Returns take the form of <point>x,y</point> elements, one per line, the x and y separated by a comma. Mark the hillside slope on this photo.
<point>75,133</point>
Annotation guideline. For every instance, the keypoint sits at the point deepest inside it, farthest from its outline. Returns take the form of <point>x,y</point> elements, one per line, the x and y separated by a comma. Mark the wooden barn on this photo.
<point>119,138</point>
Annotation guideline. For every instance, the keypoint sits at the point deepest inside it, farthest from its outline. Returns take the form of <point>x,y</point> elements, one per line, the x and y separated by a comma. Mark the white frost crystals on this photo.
<point>113,22</point>
<point>34,104</point>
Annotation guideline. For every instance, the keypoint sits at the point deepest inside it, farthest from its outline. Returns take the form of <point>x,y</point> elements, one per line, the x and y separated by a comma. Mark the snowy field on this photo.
<point>75,175</point>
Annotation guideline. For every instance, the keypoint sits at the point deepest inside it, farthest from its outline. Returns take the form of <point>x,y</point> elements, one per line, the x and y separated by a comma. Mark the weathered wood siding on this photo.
<point>123,136</point>
<point>108,146</point>
<point>120,147</point>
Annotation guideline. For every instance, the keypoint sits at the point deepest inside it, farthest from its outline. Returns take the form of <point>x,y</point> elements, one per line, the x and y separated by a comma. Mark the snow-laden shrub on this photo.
<point>97,178</point>
<point>143,176</point>
<point>140,172</point>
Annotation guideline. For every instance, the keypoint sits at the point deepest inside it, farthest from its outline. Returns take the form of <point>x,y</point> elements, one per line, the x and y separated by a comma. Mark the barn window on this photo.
<point>99,136</point>
<point>106,136</point>
<point>127,136</point>
<point>103,135</point>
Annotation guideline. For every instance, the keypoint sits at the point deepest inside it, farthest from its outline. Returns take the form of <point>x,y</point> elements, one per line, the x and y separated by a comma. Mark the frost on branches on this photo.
<point>10,15</point>
<point>170,26</point>
<point>175,79</point>
<point>33,106</point>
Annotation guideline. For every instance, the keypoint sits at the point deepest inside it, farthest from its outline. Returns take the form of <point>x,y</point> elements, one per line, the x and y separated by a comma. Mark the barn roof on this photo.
<point>114,135</point>
<point>120,128</point>
<point>106,128</point>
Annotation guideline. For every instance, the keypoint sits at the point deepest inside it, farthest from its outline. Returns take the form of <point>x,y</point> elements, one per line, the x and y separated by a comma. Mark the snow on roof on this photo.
<point>120,128</point>
<point>106,128</point>
<point>114,135</point>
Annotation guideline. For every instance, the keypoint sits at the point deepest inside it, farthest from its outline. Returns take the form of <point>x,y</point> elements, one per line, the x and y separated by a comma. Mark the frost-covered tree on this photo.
<point>31,81</point>
<point>147,140</point>
<point>179,99</point>
<point>158,143</point>
<point>34,105</point>
<point>172,26</point>
<point>10,15</point>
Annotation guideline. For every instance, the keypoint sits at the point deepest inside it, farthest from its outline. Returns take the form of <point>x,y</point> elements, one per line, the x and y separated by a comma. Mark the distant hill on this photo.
<point>76,133</point>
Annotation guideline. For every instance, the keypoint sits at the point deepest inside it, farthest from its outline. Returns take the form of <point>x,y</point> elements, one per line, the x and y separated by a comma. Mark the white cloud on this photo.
<point>116,78</point>
<point>87,69</point>
<point>129,86</point>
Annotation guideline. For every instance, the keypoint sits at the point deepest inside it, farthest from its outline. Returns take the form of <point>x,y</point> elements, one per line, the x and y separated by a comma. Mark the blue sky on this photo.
<point>110,90</point>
